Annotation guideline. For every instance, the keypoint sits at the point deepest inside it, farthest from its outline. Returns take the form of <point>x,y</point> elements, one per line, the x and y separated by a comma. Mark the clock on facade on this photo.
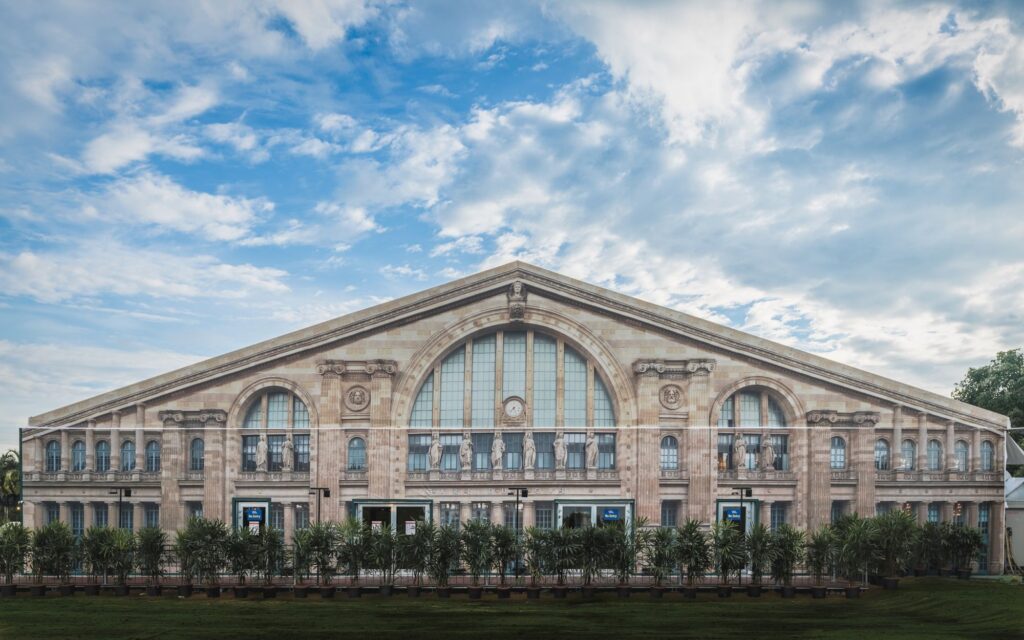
<point>514,408</point>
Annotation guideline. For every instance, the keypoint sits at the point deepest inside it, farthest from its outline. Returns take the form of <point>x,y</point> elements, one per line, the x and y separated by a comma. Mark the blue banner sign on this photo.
<point>253,514</point>
<point>733,514</point>
<point>611,515</point>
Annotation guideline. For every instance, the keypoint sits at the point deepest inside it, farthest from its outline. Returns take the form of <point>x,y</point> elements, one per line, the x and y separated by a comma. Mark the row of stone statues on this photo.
<point>287,451</point>
<point>739,455</point>
<point>498,452</point>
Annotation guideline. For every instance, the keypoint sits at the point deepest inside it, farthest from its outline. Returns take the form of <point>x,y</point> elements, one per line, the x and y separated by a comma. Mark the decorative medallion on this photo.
<point>514,409</point>
<point>671,397</point>
<point>516,301</point>
<point>357,398</point>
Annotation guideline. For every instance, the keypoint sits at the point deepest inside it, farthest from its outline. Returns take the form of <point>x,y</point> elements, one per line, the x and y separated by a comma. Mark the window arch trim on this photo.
<point>788,401</point>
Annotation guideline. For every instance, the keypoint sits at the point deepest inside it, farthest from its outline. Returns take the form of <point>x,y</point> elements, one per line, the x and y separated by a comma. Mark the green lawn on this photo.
<point>921,608</point>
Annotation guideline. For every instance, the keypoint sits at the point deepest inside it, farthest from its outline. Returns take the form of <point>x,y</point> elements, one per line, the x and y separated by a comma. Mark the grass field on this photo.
<point>922,608</point>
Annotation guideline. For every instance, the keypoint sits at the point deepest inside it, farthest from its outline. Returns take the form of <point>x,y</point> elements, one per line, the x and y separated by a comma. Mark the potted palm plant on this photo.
<point>415,552</point>
<point>151,543</point>
<point>15,541</point>
<point>476,553</point>
<point>211,554</point>
<point>660,557</point>
<point>625,545</point>
<point>96,556</point>
<point>821,554</point>
<point>53,553</point>
<point>302,561</point>
<point>857,551</point>
<point>269,559</point>
<point>324,540</point>
<point>895,535</point>
<point>729,553</point>
<point>384,557</point>
<point>594,545</point>
<point>787,551</point>
<point>445,550</point>
<point>353,552</point>
<point>563,553</point>
<point>761,553</point>
<point>123,548</point>
<point>241,552</point>
<point>965,546</point>
<point>535,550</point>
<point>504,551</point>
<point>693,555</point>
<point>933,547</point>
<point>185,543</point>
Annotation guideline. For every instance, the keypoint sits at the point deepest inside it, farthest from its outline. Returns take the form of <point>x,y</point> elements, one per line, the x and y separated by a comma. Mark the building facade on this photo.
<point>436,405</point>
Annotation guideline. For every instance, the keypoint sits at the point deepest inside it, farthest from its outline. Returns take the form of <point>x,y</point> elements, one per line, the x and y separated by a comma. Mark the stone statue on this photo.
<point>529,452</point>
<point>287,453</point>
<point>591,451</point>
<point>261,455</point>
<point>435,453</point>
<point>739,452</point>
<point>768,455</point>
<point>497,453</point>
<point>560,452</point>
<point>466,453</point>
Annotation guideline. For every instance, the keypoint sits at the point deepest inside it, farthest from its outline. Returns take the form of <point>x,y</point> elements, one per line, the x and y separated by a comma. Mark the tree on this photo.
<point>10,485</point>
<point>997,386</point>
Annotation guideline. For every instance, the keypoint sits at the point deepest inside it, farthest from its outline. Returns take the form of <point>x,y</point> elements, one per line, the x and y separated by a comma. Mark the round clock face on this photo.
<point>514,407</point>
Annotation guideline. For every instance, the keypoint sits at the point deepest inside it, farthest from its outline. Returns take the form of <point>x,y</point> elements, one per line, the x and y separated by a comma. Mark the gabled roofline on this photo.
<point>550,284</point>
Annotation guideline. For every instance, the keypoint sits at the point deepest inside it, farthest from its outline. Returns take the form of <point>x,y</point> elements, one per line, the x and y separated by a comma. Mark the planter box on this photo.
<point>533,593</point>
<point>754,591</point>
<point>588,591</point>
<point>185,591</point>
<point>66,590</point>
<point>788,591</point>
<point>212,592</point>
<point>690,593</point>
<point>91,589</point>
<point>354,591</point>
<point>725,592</point>
<point>154,591</point>
<point>121,590</point>
<point>8,591</point>
<point>890,583</point>
<point>560,592</point>
<point>475,593</point>
<point>623,590</point>
<point>818,592</point>
<point>300,592</point>
<point>328,592</point>
<point>852,592</point>
<point>37,590</point>
<point>656,592</point>
<point>413,591</point>
<point>443,592</point>
<point>269,592</point>
<point>386,590</point>
<point>504,593</point>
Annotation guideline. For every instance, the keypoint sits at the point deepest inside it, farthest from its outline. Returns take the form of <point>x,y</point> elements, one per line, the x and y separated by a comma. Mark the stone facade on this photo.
<point>331,408</point>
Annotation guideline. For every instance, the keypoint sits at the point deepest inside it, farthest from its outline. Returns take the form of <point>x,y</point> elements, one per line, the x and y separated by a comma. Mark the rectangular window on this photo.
<point>277,411</point>
<point>423,408</point>
<point>152,515</point>
<point>908,455</point>
<point>511,515</point>
<point>838,507</point>
<point>781,446</point>
<point>127,518</point>
<point>276,518</point>
<point>77,519</point>
<point>275,451</point>
<point>724,451</point>
<point>481,511</point>
<point>513,376</point>
<point>604,415</point>
<point>195,509</point>
<point>249,452</point>
<point>100,515</point>
<point>52,512</point>
<point>669,513</point>
<point>544,515</point>
<point>753,450</point>
<point>102,457</point>
<point>301,454</point>
<point>301,516</point>
<point>725,416</point>
<point>882,508</point>
<point>450,515</point>
<point>545,443</point>
<point>453,385</point>
<point>934,512</point>
<point>545,372</point>
<point>750,409</point>
<point>575,445</point>
<point>300,414</point>
<point>450,453</point>
<point>575,390</point>
<point>483,381</point>
<point>605,450</point>
<point>778,515</point>
<point>983,525</point>
<point>482,451</point>
<point>419,450</point>
<point>513,451</point>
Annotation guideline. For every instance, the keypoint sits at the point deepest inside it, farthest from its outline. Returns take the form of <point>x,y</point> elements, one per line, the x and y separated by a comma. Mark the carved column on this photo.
<point>950,446</point>
<point>975,462</point>
<point>922,441</point>
<point>115,441</point>
<point>997,537</point>
<point>65,512</point>
<point>326,454</point>
<point>897,438</point>
<point>816,471</point>
<point>88,514</point>
<point>701,436</point>
<point>864,459</point>
<point>90,446</point>
<point>65,451</point>
<point>140,437</point>
<point>289,523</point>
<point>171,508</point>
<point>138,516</point>
<point>383,446</point>
<point>647,471</point>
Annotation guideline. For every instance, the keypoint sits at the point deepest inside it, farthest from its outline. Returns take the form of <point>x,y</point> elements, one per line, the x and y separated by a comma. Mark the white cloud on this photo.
<point>402,272</point>
<point>128,142</point>
<point>465,244</point>
<point>243,138</point>
<point>322,23</point>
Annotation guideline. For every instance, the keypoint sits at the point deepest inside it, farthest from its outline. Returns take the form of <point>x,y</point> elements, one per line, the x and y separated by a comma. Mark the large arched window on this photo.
<point>152,456</point>
<point>127,455</point>
<point>196,452</point>
<point>276,411</point>
<point>909,452</point>
<point>753,407</point>
<point>988,456</point>
<point>52,456</point>
<point>837,453</point>
<point>78,456</point>
<point>934,455</point>
<point>102,456</point>
<point>499,368</point>
<point>881,455</point>
<point>962,453</point>
<point>357,454</point>
<point>669,453</point>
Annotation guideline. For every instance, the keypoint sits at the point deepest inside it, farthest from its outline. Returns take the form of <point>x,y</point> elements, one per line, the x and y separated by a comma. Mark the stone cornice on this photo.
<point>202,416</point>
<point>825,417</point>
<point>673,368</point>
<point>375,368</point>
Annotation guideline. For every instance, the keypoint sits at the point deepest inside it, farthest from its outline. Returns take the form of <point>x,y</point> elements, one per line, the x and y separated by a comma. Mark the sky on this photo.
<point>178,180</point>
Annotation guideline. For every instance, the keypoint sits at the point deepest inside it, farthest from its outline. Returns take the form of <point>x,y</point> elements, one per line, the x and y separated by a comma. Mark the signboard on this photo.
<point>376,525</point>
<point>733,514</point>
<point>611,515</point>
<point>410,527</point>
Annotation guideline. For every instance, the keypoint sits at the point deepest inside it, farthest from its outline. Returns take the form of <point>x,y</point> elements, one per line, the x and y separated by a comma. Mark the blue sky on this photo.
<point>184,179</point>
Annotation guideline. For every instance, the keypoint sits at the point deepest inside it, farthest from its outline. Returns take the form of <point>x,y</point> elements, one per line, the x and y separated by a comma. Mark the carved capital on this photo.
<point>381,368</point>
<point>866,418</point>
<point>700,367</point>
<point>673,369</point>
<point>826,417</point>
<point>649,368</point>
<point>330,367</point>
<point>204,417</point>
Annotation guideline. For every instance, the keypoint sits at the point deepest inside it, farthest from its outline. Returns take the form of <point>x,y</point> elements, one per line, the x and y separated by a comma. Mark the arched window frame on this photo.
<point>837,453</point>
<point>197,454</point>
<point>962,455</point>
<point>934,455</point>
<point>53,456</point>
<point>908,451</point>
<point>275,411</point>
<point>988,456</point>
<point>128,455</point>
<point>669,453</point>
<point>78,456</point>
<point>883,453</point>
<point>356,454</point>
<point>102,456</point>
<point>152,456</point>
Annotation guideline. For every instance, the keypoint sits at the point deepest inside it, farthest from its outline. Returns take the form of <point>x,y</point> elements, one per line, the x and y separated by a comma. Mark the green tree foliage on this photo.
<point>14,546</point>
<point>997,386</point>
<point>10,485</point>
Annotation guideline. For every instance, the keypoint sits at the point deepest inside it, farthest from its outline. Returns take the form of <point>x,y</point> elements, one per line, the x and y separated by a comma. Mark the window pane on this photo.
<point>276,519</point>
<point>302,516</point>
<point>53,456</point>
<point>669,513</point>
<point>152,456</point>
<point>513,378</point>
<point>77,519</point>
<point>249,452</point>
<point>254,418</point>
<point>776,417</point>
<point>881,455</point>
<point>300,414</point>
<point>933,512</point>
<point>987,456</point>
<point>781,446</point>
<point>575,389</point>
<point>277,411</point>
<point>544,515</point>
<point>357,454</point>
<point>301,462</point>
<point>423,408</point>
<point>934,455</point>
<point>481,510</point>
<point>778,515</point>
<point>101,515</point>
<point>909,454</point>
<point>275,453</point>
<point>513,451</point>
<point>197,455</point>
<point>605,450</point>
<point>419,448</point>
<point>450,453</point>
<point>545,443</point>
<point>962,454</point>
<point>483,381</point>
<point>750,409</point>
<point>837,456</point>
<point>545,371</point>
<point>450,515</point>
<point>725,416</point>
<point>669,453</point>
<point>575,445</point>
<point>482,451</point>
<point>724,451</point>
<point>128,456</point>
<point>78,456</point>
<point>604,416</point>
<point>152,515</point>
<point>453,385</point>
<point>102,456</point>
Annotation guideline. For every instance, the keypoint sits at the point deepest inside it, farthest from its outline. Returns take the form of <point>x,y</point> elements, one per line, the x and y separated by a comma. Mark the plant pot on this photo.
<point>656,592</point>
<point>269,592</point>
<point>300,592</point>
<point>560,592</point>
<point>185,591</point>
<point>754,591</point>
<point>504,593</point>
<point>121,590</point>
<point>212,592</point>
<point>37,590</point>
<point>890,583</point>
<point>875,581</point>
<point>918,572</point>
<point>328,592</point>
<point>533,593</point>
<point>91,589</point>
<point>963,575</point>
<point>788,591</point>
<point>8,591</point>
<point>154,591</point>
<point>241,592</point>
<point>354,591</point>
<point>386,589</point>
<point>66,590</point>
<point>475,593</point>
<point>852,592</point>
<point>413,591</point>
<point>588,591</point>
<point>443,592</point>
<point>690,593</point>
<point>623,590</point>
<point>818,592</point>
<point>724,591</point>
